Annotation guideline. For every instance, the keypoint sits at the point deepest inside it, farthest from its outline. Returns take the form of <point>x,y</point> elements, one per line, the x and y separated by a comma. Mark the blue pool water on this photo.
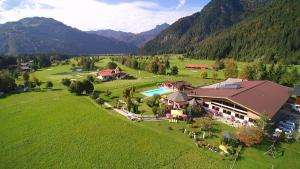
<point>156,91</point>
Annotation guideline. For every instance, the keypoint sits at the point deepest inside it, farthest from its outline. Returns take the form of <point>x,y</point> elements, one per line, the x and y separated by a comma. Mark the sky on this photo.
<point>123,15</point>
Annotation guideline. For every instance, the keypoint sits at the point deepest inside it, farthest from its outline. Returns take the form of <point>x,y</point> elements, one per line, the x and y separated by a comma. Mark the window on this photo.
<point>239,116</point>
<point>239,107</point>
<point>227,112</point>
<point>205,105</point>
<point>251,120</point>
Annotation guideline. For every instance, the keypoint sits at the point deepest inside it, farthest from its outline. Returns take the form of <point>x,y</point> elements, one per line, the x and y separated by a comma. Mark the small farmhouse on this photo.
<point>196,66</point>
<point>111,74</point>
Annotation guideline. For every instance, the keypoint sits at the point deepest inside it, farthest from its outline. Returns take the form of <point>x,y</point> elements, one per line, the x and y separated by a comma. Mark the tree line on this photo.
<point>283,74</point>
<point>156,65</point>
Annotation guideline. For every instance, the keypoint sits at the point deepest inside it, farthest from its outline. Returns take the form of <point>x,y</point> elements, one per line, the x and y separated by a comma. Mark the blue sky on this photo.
<point>125,15</point>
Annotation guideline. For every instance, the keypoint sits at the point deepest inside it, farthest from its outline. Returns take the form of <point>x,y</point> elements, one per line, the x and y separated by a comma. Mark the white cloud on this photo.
<point>181,4</point>
<point>92,15</point>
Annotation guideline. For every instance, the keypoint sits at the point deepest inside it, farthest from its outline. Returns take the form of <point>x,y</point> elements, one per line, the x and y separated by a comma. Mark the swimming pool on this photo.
<point>156,91</point>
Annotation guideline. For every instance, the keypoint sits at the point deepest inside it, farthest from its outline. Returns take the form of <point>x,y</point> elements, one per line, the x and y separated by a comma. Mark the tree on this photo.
<point>161,69</point>
<point>248,72</point>
<point>66,82</point>
<point>155,110</point>
<point>203,75</point>
<point>76,87</point>
<point>261,72</point>
<point>205,123</point>
<point>167,64</point>
<point>94,95</point>
<point>174,70</point>
<point>7,83</point>
<point>264,123</point>
<point>88,87</point>
<point>195,111</point>
<point>26,79</point>
<point>220,63</point>
<point>289,78</point>
<point>36,81</point>
<point>162,110</point>
<point>154,67</point>
<point>136,108</point>
<point>231,69</point>
<point>49,84</point>
<point>249,135</point>
<point>90,78</point>
<point>87,63</point>
<point>215,76</point>
<point>112,65</point>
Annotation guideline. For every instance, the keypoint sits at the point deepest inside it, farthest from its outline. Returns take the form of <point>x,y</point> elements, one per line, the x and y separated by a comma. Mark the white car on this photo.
<point>296,107</point>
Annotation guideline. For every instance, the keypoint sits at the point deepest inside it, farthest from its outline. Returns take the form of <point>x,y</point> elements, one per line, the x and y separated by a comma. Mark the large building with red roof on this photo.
<point>244,101</point>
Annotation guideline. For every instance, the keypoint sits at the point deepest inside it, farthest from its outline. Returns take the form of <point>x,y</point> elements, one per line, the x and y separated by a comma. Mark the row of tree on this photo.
<point>156,65</point>
<point>283,74</point>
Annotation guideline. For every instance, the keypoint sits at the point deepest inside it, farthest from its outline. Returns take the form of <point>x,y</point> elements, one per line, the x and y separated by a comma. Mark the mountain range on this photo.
<point>46,35</point>
<point>243,29</point>
<point>138,39</point>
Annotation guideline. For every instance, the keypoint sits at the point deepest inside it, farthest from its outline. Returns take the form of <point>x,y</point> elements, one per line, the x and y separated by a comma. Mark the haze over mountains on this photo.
<point>243,29</point>
<point>138,39</point>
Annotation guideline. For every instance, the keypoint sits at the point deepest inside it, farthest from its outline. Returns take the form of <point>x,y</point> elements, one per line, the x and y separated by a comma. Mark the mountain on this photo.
<point>216,16</point>
<point>139,39</point>
<point>46,35</point>
<point>272,33</point>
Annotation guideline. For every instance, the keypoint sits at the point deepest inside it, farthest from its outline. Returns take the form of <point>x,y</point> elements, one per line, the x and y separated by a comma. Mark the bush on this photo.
<point>100,101</point>
<point>155,110</point>
<point>66,82</point>
<point>88,87</point>
<point>49,84</point>
<point>90,78</point>
<point>203,75</point>
<point>250,135</point>
<point>94,95</point>
<point>112,65</point>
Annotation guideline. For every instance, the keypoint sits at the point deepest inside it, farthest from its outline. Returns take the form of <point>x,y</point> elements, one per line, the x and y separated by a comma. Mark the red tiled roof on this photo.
<point>196,66</point>
<point>258,96</point>
<point>106,72</point>
<point>215,66</point>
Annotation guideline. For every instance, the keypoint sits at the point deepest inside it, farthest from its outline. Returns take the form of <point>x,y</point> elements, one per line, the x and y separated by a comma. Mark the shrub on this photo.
<point>203,75</point>
<point>250,135</point>
<point>90,78</point>
<point>66,82</point>
<point>100,101</point>
<point>94,95</point>
<point>49,84</point>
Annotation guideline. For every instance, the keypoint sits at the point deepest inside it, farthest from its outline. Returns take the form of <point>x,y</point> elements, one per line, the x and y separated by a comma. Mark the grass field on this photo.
<point>56,129</point>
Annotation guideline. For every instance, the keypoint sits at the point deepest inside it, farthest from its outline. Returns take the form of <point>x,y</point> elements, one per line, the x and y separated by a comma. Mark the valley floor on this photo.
<point>56,129</point>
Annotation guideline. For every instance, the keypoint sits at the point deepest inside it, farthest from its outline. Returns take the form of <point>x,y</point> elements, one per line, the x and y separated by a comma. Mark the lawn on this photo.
<point>56,129</point>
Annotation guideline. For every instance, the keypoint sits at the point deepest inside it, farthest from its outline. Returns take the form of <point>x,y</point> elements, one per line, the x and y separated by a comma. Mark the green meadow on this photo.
<point>56,129</point>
